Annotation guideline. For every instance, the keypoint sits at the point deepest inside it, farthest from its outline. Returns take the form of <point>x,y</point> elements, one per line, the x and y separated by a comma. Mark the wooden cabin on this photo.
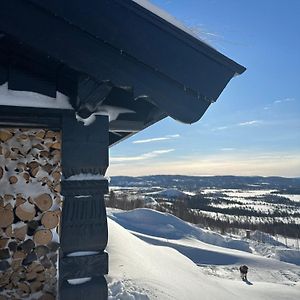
<point>77,77</point>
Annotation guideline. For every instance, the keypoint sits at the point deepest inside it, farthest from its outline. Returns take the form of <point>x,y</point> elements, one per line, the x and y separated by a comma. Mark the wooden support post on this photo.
<point>84,226</point>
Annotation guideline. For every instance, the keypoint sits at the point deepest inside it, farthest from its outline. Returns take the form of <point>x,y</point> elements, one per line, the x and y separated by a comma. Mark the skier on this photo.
<point>243,272</point>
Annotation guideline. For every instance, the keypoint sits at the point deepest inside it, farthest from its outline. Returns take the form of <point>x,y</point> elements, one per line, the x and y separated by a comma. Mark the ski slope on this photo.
<point>158,256</point>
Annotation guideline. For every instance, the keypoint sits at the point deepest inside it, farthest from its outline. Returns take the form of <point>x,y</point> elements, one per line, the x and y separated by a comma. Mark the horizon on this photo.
<point>153,175</point>
<point>253,129</point>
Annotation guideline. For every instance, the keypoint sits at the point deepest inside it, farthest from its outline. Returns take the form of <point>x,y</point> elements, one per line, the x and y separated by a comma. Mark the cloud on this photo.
<point>167,137</point>
<point>249,123</point>
<point>220,128</point>
<point>227,149</point>
<point>228,163</point>
<point>172,136</point>
<point>284,100</point>
<point>145,156</point>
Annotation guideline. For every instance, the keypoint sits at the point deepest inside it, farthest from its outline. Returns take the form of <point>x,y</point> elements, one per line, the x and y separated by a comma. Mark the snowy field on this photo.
<point>158,256</point>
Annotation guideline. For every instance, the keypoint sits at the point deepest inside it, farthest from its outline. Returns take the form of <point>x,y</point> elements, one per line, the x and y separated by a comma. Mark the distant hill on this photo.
<point>171,193</point>
<point>181,182</point>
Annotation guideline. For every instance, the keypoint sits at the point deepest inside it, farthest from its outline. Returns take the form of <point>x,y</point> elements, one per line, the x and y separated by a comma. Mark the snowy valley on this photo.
<point>184,237</point>
<point>155,255</point>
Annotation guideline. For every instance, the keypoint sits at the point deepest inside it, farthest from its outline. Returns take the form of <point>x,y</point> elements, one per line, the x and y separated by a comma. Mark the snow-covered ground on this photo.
<point>158,256</point>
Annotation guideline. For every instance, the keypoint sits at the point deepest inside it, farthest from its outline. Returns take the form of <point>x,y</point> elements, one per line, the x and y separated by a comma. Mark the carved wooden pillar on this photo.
<point>83,235</point>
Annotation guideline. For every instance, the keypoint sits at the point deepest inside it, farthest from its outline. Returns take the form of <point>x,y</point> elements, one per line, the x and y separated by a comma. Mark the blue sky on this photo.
<point>254,127</point>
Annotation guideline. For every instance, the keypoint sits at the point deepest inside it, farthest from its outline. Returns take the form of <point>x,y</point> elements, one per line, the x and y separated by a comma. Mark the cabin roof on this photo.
<point>108,56</point>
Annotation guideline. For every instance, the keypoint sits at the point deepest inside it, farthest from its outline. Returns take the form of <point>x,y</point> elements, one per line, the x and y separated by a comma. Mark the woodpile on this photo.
<point>30,209</point>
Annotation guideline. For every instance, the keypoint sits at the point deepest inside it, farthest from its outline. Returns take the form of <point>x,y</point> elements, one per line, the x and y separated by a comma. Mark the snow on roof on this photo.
<point>31,99</point>
<point>167,17</point>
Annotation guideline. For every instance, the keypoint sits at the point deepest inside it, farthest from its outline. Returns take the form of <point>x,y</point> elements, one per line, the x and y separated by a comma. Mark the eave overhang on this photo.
<point>110,53</point>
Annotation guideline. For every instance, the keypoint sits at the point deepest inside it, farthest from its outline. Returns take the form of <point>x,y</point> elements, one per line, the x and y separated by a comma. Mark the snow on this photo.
<point>86,176</point>
<point>79,280</point>
<point>157,256</point>
<point>291,197</point>
<point>170,193</point>
<point>288,255</point>
<point>31,99</point>
<point>166,226</point>
<point>149,201</point>
<point>167,17</point>
<point>82,253</point>
<point>112,112</point>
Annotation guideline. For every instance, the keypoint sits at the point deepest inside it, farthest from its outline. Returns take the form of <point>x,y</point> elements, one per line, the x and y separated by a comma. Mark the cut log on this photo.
<point>54,259</point>
<point>19,274</point>
<point>32,266</point>
<point>16,263</point>
<point>41,277</point>
<point>44,154</point>
<point>9,231</point>
<point>21,166</point>
<point>8,206</point>
<point>56,156</point>
<point>55,146</point>
<point>34,172</point>
<point>23,136</point>
<point>45,261</point>
<point>53,246</point>
<point>33,164</point>
<point>1,172</point>
<point>4,265</point>
<point>42,237</point>
<point>56,176</point>
<point>20,200</point>
<point>41,250</point>
<point>19,254</point>
<point>32,226</point>
<point>43,202</point>
<point>38,146</point>
<point>40,134</point>
<point>26,211</point>
<point>13,245</point>
<point>23,289</point>
<point>13,179</point>
<point>30,258</point>
<point>8,197</point>
<point>35,267</point>
<point>57,188</point>
<point>50,134</point>
<point>6,217</point>
<point>27,246</point>
<point>39,268</point>
<point>31,276</point>
<point>50,219</point>
<point>20,232</point>
<point>26,176</point>
<point>3,242</point>
<point>5,135</point>
<point>35,286</point>
<point>4,279</point>
<point>4,253</point>
<point>47,168</point>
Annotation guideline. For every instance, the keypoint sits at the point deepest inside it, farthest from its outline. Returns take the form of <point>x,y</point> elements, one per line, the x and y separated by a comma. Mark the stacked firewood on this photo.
<point>30,208</point>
